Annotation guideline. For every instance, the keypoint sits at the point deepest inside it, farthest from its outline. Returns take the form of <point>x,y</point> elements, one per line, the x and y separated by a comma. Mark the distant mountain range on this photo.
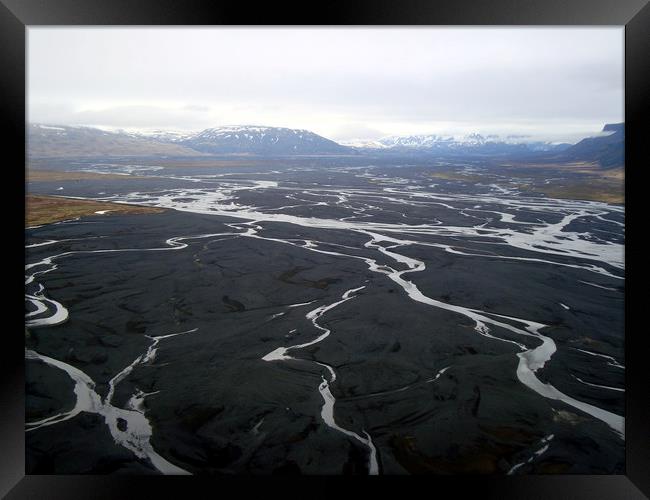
<point>608,150</point>
<point>67,141</point>
<point>468,144</point>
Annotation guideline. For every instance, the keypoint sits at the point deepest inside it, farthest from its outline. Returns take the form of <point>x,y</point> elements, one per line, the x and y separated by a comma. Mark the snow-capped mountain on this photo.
<point>470,143</point>
<point>79,141</point>
<point>415,141</point>
<point>162,135</point>
<point>250,139</point>
<point>60,140</point>
<point>363,144</point>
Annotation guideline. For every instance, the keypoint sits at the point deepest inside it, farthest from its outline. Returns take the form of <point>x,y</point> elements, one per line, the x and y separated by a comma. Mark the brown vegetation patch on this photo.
<point>47,209</point>
<point>509,434</point>
<point>458,176</point>
<point>561,165</point>
<point>591,190</point>
<point>32,175</point>
<point>588,180</point>
<point>553,468</point>
<point>483,458</point>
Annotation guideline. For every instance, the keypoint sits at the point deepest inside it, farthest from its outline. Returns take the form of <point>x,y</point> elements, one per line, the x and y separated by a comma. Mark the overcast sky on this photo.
<point>343,83</point>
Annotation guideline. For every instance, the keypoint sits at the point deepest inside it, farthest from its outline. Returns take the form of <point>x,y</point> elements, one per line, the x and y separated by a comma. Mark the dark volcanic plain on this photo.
<point>239,267</point>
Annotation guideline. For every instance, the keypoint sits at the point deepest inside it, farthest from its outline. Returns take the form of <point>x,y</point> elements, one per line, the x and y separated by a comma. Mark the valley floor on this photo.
<point>321,319</point>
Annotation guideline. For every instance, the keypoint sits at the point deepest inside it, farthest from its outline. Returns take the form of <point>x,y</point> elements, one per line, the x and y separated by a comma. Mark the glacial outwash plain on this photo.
<point>333,310</point>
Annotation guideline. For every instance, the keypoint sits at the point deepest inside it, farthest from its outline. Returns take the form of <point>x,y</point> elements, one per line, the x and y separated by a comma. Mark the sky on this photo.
<point>556,84</point>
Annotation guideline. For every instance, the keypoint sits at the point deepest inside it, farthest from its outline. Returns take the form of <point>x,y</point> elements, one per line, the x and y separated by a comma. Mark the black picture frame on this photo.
<point>17,15</point>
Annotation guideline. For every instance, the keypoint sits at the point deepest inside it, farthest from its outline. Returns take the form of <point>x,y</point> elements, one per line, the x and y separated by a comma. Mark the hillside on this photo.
<point>608,150</point>
<point>261,141</point>
<point>66,141</point>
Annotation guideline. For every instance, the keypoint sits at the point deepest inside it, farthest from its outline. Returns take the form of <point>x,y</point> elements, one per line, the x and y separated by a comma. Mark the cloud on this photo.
<point>345,82</point>
<point>197,107</point>
<point>355,130</point>
<point>126,116</point>
<point>142,116</point>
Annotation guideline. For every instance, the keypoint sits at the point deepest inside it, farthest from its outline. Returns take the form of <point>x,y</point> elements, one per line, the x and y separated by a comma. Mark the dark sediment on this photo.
<point>216,407</point>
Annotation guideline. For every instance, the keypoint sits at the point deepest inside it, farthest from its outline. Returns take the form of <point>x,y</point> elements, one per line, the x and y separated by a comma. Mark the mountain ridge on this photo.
<point>608,150</point>
<point>44,140</point>
<point>59,140</point>
<point>257,139</point>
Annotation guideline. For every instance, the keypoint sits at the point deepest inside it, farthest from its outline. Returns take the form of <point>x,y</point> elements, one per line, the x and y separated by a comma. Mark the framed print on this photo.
<point>376,240</point>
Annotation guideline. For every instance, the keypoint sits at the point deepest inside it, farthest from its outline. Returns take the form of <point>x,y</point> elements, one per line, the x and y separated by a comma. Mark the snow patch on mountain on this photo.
<point>361,143</point>
<point>473,140</point>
